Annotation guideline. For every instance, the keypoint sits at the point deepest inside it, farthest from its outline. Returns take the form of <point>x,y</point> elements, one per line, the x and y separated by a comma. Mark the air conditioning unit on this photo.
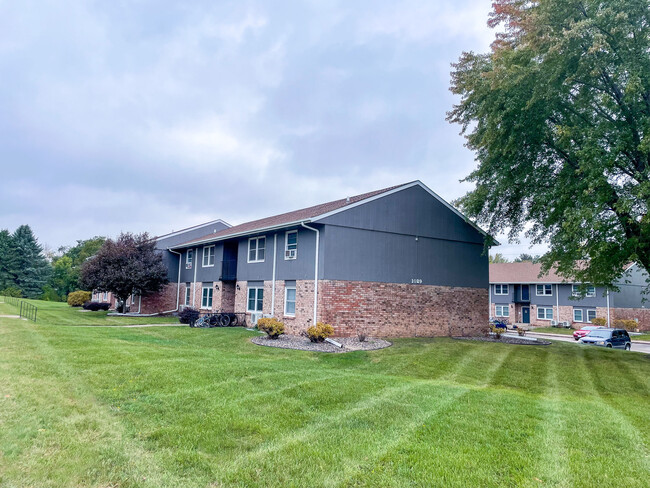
<point>290,254</point>
<point>255,316</point>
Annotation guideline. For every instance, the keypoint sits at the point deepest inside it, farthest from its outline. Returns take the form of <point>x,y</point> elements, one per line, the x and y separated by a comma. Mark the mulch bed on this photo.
<point>303,344</point>
<point>506,340</point>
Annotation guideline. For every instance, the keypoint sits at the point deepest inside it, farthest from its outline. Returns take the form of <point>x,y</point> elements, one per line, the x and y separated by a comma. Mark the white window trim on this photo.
<point>189,261</point>
<point>256,288</point>
<point>210,296</point>
<point>589,294</point>
<point>582,315</point>
<point>207,248</point>
<point>544,294</point>
<point>105,296</point>
<point>576,293</point>
<point>188,297</point>
<point>286,314</point>
<point>544,308</point>
<point>248,254</point>
<point>286,244</point>
<point>587,314</point>
<point>507,287</point>
<point>502,307</point>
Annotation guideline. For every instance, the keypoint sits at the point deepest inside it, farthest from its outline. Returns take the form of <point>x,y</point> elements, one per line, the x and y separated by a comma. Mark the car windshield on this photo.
<point>600,333</point>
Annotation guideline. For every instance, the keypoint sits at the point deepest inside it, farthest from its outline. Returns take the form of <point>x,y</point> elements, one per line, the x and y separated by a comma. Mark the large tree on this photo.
<point>32,269</point>
<point>559,116</point>
<point>8,260</point>
<point>67,267</point>
<point>125,266</point>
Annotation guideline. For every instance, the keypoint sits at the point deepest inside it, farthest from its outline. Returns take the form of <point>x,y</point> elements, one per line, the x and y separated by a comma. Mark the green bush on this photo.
<point>319,332</point>
<point>78,298</point>
<point>11,291</point>
<point>626,324</point>
<point>498,331</point>
<point>272,327</point>
<point>599,321</point>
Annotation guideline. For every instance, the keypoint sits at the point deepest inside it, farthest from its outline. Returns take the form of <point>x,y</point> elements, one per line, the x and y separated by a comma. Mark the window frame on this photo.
<point>188,293</point>
<point>210,296</point>
<point>507,289</point>
<point>105,296</point>
<point>544,294</point>
<point>286,245</point>
<point>588,312</point>
<point>208,248</point>
<point>582,315</point>
<point>502,307</point>
<point>189,259</point>
<point>257,249</point>
<point>545,314</point>
<point>257,298</point>
<point>286,300</point>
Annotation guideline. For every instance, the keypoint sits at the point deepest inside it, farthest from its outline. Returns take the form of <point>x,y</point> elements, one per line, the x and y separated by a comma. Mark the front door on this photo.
<point>525,294</point>
<point>525,315</point>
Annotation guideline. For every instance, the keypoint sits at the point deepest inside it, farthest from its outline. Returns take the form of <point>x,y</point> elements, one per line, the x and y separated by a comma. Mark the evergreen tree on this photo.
<point>33,270</point>
<point>8,260</point>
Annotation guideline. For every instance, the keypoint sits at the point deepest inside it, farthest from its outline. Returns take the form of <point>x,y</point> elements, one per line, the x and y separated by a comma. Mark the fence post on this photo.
<point>21,309</point>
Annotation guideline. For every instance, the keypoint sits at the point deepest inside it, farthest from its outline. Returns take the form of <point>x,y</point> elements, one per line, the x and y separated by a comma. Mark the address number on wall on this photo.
<point>416,281</point>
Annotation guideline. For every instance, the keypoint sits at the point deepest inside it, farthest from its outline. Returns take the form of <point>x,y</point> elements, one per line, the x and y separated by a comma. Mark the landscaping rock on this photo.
<point>350,344</point>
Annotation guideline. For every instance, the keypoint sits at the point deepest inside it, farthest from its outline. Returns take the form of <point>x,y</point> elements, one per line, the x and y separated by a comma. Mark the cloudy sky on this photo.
<point>152,115</point>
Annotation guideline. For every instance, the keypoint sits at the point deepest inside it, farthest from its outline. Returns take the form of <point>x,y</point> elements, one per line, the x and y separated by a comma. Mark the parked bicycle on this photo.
<point>218,319</point>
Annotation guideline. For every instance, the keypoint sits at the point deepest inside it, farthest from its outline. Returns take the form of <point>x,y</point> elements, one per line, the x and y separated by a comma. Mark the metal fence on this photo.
<point>26,309</point>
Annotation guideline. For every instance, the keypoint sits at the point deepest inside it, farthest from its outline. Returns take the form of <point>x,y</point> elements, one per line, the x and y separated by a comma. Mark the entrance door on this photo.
<point>525,315</point>
<point>525,293</point>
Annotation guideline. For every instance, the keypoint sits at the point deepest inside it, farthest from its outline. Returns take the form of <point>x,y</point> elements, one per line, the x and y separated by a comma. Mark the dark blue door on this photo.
<point>525,294</point>
<point>525,315</point>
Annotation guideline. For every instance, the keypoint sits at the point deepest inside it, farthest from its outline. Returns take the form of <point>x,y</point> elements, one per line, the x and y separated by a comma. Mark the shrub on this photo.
<point>319,332</point>
<point>361,335</point>
<point>95,306</point>
<point>11,291</point>
<point>78,298</point>
<point>188,315</point>
<point>626,324</point>
<point>272,327</point>
<point>497,331</point>
<point>599,321</point>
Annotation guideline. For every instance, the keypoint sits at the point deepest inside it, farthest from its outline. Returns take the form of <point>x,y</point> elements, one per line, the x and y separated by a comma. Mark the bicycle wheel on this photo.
<point>214,320</point>
<point>224,320</point>
<point>233,320</point>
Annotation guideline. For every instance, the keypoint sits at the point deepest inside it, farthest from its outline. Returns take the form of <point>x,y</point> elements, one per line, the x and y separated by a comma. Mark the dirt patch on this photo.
<point>303,344</point>
<point>506,340</point>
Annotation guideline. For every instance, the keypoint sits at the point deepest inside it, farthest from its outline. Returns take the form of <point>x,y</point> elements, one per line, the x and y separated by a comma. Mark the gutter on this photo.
<point>315,269</point>
<point>178,285</point>
<point>275,256</point>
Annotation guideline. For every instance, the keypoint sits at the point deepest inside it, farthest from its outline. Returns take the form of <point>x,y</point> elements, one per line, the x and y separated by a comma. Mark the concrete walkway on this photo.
<point>9,316</point>
<point>136,325</point>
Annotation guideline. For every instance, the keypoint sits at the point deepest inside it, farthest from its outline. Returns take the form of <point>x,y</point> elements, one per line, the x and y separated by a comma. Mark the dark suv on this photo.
<point>617,338</point>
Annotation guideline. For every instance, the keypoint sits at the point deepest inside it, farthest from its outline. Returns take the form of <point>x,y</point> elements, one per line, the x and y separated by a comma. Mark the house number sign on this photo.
<point>416,281</point>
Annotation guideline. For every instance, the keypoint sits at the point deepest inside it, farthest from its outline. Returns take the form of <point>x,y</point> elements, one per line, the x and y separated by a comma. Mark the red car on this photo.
<point>578,334</point>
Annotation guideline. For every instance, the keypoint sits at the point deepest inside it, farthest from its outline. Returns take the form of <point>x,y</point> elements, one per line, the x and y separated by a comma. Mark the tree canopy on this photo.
<point>558,114</point>
<point>32,270</point>
<point>67,267</point>
<point>129,265</point>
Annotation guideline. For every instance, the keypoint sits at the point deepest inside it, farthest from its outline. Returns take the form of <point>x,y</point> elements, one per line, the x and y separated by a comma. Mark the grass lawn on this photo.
<point>558,330</point>
<point>57,313</point>
<point>182,407</point>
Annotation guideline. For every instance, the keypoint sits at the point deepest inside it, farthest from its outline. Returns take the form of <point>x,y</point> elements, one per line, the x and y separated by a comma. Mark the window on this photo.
<point>502,311</point>
<point>105,298</point>
<point>206,297</point>
<point>577,315</point>
<point>544,290</point>
<point>256,247</point>
<point>291,244</point>
<point>545,313</point>
<point>208,256</point>
<point>589,292</point>
<point>189,259</point>
<point>187,293</point>
<point>290,301</point>
<point>591,314</point>
<point>500,289</point>
<point>255,299</point>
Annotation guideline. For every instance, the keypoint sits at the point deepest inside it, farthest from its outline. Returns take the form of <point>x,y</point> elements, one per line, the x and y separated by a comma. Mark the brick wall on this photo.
<point>160,302</point>
<point>227,296</point>
<point>641,314</point>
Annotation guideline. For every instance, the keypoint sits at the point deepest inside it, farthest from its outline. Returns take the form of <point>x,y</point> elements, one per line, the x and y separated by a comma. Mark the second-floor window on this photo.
<point>189,258</point>
<point>590,292</point>
<point>544,290</point>
<point>500,289</point>
<point>291,244</point>
<point>208,256</point>
<point>256,248</point>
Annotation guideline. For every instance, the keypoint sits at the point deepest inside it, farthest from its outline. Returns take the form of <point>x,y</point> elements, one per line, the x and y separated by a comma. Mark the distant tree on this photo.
<point>33,270</point>
<point>67,267</point>
<point>528,257</point>
<point>125,266</point>
<point>558,114</point>
<point>497,258</point>
<point>8,261</point>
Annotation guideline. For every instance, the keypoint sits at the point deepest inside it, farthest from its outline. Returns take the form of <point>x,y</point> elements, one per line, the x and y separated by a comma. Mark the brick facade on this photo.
<point>159,302</point>
<point>642,315</point>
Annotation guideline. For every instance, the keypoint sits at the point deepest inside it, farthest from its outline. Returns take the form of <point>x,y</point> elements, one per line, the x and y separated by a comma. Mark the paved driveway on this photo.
<point>636,346</point>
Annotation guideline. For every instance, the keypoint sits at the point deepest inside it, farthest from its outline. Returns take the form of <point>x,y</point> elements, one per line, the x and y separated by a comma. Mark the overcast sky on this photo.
<point>154,116</point>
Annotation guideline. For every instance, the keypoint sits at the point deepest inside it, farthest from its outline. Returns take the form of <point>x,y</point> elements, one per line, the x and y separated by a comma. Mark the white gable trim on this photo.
<point>183,231</point>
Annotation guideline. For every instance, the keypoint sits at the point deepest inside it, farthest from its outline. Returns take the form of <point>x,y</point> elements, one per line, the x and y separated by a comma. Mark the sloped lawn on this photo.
<point>181,407</point>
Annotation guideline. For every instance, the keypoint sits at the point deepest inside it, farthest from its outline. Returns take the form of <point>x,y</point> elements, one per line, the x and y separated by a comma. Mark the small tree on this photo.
<point>125,266</point>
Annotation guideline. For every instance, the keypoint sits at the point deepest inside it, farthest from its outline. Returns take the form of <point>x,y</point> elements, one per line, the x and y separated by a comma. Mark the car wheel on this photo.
<point>628,347</point>
<point>608,345</point>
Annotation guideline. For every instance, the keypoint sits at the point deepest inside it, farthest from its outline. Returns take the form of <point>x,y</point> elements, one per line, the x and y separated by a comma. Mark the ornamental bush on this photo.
<point>78,298</point>
<point>626,324</point>
<point>95,306</point>
<point>273,327</point>
<point>319,332</point>
<point>599,321</point>
<point>188,315</point>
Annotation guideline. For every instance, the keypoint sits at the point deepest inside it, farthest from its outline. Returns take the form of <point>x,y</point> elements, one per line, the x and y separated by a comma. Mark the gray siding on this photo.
<point>365,255</point>
<point>631,290</point>
<point>561,295</point>
<point>502,299</point>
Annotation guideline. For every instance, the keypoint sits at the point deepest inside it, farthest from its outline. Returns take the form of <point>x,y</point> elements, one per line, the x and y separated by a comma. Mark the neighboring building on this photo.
<point>518,293</point>
<point>394,262</point>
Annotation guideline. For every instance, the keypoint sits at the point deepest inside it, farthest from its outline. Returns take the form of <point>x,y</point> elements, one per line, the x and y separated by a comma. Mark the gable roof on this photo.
<point>314,213</point>
<point>524,272</point>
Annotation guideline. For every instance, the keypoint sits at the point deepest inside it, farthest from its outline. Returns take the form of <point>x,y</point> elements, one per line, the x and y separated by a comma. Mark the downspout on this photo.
<point>139,303</point>
<point>194,263</point>
<point>557,301</point>
<point>178,285</point>
<point>489,300</point>
<point>608,325</point>
<point>315,269</point>
<point>275,256</point>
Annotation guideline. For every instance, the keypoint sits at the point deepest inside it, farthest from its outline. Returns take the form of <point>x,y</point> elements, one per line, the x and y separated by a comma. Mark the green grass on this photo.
<point>168,406</point>
<point>57,313</point>
<point>557,330</point>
